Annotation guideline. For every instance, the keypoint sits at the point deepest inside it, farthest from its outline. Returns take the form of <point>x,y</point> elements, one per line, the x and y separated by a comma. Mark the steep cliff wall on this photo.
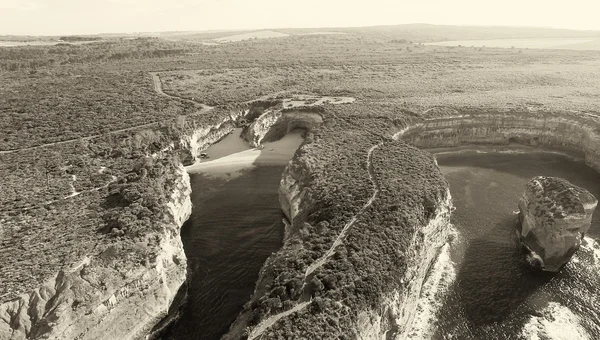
<point>579,136</point>
<point>191,145</point>
<point>97,299</point>
<point>294,196</point>
<point>274,124</point>
<point>406,312</point>
<point>398,317</point>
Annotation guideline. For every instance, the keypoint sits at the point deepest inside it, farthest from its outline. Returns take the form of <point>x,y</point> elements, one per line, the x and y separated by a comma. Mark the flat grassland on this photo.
<point>80,123</point>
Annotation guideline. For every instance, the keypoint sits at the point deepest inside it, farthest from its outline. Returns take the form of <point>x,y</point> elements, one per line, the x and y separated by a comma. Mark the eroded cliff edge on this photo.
<point>105,295</point>
<point>369,217</point>
<point>575,134</point>
<point>95,299</point>
<point>345,296</point>
<point>362,234</point>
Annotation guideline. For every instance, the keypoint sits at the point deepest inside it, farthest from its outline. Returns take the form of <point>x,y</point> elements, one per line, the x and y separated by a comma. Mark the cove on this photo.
<point>496,295</point>
<point>236,224</point>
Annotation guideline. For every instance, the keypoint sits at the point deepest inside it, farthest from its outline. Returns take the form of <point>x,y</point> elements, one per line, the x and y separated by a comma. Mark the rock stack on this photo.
<point>554,216</point>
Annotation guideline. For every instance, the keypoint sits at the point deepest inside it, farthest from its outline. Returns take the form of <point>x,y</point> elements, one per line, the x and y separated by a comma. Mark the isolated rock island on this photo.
<point>554,216</point>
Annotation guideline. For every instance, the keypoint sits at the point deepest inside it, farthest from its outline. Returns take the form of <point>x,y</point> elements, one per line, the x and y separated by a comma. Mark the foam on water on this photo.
<point>556,323</point>
<point>439,279</point>
<point>495,294</point>
<point>592,246</point>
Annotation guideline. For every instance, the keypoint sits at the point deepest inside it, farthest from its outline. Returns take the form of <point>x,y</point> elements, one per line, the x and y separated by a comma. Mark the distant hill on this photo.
<point>265,34</point>
<point>74,38</point>
<point>409,32</point>
<point>432,33</point>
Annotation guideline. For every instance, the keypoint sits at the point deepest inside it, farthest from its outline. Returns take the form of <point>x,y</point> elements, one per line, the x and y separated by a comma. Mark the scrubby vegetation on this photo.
<point>109,191</point>
<point>373,256</point>
<point>86,163</point>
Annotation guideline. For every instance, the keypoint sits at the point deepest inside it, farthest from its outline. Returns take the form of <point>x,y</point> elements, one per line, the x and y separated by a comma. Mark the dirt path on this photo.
<point>263,326</point>
<point>80,138</point>
<point>270,321</point>
<point>75,194</point>
<point>157,87</point>
<point>342,235</point>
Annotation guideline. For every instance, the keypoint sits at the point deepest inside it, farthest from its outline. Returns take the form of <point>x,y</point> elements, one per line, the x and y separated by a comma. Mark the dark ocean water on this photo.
<point>236,224</point>
<point>496,295</point>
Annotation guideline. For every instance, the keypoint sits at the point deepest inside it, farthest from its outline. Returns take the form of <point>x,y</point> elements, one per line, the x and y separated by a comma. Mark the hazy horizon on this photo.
<point>291,28</point>
<point>71,17</point>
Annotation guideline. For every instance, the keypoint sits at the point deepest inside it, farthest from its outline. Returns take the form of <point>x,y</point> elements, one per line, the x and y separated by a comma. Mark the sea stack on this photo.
<point>554,216</point>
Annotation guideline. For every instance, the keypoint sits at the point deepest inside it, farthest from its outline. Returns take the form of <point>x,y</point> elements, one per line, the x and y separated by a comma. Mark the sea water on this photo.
<point>496,294</point>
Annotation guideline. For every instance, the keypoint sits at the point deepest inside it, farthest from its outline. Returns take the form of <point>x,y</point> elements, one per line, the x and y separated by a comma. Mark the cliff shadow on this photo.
<point>282,150</point>
<point>493,281</point>
<point>234,227</point>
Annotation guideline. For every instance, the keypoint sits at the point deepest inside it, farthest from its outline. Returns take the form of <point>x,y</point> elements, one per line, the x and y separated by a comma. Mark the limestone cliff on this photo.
<point>399,316</point>
<point>274,124</point>
<point>294,195</point>
<point>577,135</point>
<point>97,299</point>
<point>192,144</point>
<point>554,216</point>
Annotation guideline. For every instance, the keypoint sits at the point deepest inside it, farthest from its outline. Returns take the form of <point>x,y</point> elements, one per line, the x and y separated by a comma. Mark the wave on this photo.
<point>556,323</point>
<point>437,284</point>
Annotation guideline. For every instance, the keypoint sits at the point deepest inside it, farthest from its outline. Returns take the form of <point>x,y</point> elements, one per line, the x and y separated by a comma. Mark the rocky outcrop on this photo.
<point>98,297</point>
<point>274,124</point>
<point>192,145</point>
<point>554,216</point>
<point>577,135</point>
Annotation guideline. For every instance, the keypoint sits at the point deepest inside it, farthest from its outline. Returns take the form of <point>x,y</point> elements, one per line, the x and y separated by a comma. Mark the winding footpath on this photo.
<point>157,88</point>
<point>73,194</point>
<point>340,239</point>
<point>270,321</point>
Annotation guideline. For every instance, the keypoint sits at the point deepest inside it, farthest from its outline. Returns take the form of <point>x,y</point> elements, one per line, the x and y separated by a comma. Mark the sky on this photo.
<point>62,17</point>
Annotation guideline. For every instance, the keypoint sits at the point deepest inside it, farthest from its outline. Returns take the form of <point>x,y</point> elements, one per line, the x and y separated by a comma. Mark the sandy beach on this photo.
<point>273,153</point>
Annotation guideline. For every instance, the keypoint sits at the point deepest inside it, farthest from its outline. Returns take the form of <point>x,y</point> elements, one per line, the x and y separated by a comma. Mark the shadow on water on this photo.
<point>494,280</point>
<point>236,224</point>
<point>493,288</point>
<point>234,227</point>
<point>495,291</point>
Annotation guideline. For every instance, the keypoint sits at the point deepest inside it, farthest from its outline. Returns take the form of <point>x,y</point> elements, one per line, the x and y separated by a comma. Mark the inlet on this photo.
<point>495,294</point>
<point>236,224</point>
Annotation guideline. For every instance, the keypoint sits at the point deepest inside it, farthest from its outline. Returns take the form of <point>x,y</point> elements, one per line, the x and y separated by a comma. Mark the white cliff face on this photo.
<point>291,193</point>
<point>262,125</point>
<point>406,313</point>
<point>204,137</point>
<point>272,125</point>
<point>577,135</point>
<point>93,301</point>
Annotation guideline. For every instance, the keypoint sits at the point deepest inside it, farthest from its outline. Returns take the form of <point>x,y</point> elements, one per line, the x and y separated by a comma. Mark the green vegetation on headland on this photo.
<point>87,168</point>
<point>369,264</point>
